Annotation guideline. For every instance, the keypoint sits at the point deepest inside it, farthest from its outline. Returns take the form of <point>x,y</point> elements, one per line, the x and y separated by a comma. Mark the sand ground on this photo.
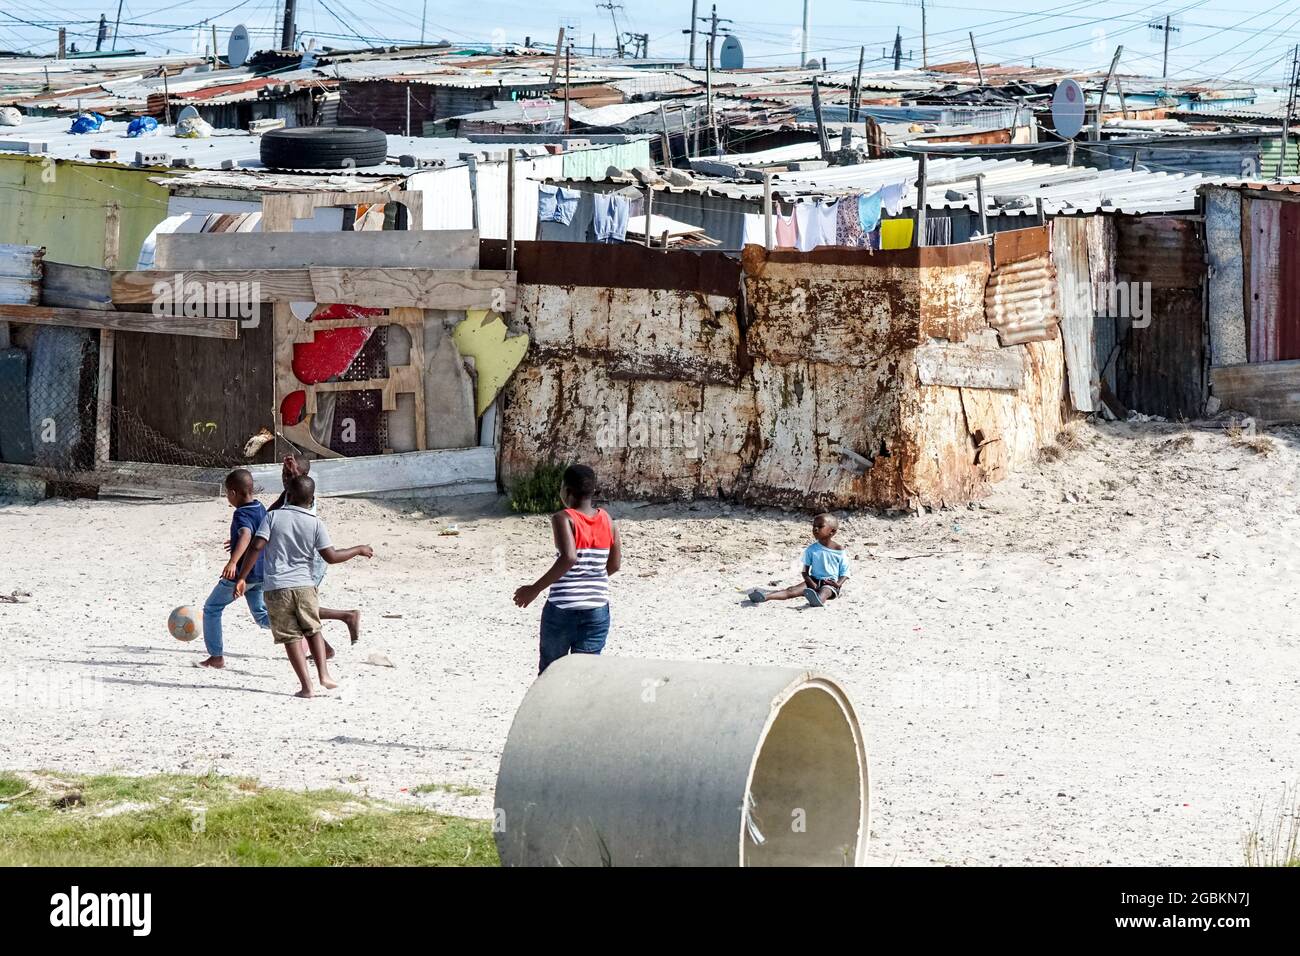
<point>1099,664</point>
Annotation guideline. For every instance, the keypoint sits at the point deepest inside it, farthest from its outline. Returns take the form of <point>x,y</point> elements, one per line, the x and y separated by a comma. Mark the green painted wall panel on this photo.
<point>62,206</point>
<point>1270,150</point>
<point>595,162</point>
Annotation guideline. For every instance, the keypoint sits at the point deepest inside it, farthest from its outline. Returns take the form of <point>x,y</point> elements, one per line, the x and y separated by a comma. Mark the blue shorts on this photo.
<point>571,631</point>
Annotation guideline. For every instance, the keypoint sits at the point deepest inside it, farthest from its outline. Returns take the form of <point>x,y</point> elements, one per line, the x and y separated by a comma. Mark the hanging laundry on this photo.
<point>869,210</point>
<point>892,197</point>
<point>754,232</point>
<point>938,231</point>
<point>816,221</point>
<point>848,227</point>
<point>609,218</point>
<point>787,230</point>
<point>896,234</point>
<point>556,204</point>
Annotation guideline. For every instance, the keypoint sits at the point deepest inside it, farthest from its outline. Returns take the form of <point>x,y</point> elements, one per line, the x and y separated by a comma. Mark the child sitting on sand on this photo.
<point>248,516</point>
<point>575,618</point>
<point>290,536</point>
<point>825,568</point>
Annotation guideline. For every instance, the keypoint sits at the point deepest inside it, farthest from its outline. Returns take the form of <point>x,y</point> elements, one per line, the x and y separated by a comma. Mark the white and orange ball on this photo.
<point>183,623</point>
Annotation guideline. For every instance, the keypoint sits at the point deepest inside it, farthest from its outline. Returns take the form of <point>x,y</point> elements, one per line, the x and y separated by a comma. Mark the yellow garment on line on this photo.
<point>896,234</point>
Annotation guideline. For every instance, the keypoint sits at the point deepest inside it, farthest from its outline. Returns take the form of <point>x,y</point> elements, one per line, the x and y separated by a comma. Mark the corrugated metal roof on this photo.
<point>239,147</point>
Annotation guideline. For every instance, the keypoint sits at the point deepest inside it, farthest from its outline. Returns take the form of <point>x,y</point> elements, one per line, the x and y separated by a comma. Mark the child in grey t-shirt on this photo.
<point>290,537</point>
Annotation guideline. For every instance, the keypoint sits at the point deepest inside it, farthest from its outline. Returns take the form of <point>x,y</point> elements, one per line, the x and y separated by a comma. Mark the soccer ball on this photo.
<point>183,624</point>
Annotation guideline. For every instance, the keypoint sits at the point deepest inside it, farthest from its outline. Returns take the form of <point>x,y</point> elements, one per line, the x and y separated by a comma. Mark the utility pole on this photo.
<point>712,20</point>
<point>925,50</point>
<point>424,10</point>
<point>691,31</point>
<point>803,53</point>
<point>290,30</point>
<point>568,51</point>
<point>611,6</point>
<point>979,71</point>
<point>1168,28</point>
<point>559,47</point>
<point>708,88</point>
<point>821,127</point>
<point>898,48</point>
<point>118,23</point>
<point>1105,88</point>
<point>1290,110</point>
<point>857,87</point>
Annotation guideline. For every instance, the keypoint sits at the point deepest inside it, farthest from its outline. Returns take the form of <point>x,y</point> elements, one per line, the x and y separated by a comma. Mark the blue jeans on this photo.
<point>223,594</point>
<point>572,631</point>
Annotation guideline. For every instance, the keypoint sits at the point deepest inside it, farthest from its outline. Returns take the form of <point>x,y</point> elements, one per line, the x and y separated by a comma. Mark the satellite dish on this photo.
<point>733,54</point>
<point>813,64</point>
<point>1068,109</point>
<point>237,47</point>
<point>188,113</point>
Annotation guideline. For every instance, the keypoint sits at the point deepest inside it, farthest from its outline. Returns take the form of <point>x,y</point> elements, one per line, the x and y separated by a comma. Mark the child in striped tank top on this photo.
<point>575,618</point>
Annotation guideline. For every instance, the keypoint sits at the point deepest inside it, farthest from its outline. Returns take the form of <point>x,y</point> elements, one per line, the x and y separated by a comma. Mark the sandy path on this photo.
<point>1112,679</point>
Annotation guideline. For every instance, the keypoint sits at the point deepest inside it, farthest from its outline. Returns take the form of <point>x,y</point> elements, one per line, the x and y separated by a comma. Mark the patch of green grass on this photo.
<point>446,788</point>
<point>172,820</point>
<point>11,784</point>
<point>539,492</point>
<point>1275,838</point>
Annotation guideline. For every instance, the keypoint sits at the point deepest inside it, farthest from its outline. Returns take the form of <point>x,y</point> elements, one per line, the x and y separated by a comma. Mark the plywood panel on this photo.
<point>423,249</point>
<point>1265,221</point>
<point>167,385</point>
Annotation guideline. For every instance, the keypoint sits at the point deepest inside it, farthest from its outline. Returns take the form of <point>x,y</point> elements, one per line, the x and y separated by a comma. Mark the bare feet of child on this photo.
<point>213,662</point>
<point>353,621</point>
<point>328,684</point>
<point>305,692</point>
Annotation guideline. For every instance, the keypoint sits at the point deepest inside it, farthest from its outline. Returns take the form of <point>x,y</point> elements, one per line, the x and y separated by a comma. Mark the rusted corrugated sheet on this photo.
<point>1077,305</point>
<point>1264,250</point>
<point>1163,251</point>
<point>1288,307</point>
<point>624,265</point>
<point>1020,301</point>
<point>1162,359</point>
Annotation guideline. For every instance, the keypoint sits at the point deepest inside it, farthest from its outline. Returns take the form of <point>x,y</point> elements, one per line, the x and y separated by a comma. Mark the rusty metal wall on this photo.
<point>1162,365</point>
<point>672,392</point>
<point>1288,306</point>
<point>1262,239</point>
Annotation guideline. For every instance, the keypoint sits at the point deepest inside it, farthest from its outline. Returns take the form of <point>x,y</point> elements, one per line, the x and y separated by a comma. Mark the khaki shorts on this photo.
<point>294,612</point>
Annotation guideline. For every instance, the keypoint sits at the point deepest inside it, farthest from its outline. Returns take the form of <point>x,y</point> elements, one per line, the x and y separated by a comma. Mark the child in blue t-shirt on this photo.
<point>248,517</point>
<point>825,568</point>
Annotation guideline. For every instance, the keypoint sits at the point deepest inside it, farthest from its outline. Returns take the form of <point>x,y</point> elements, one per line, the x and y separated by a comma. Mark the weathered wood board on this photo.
<point>122,321</point>
<point>1270,391</point>
<point>448,289</point>
<point>421,249</point>
<point>968,367</point>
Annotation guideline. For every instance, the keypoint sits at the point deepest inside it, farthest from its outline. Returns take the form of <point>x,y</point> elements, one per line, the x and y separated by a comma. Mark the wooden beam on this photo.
<point>121,321</point>
<point>418,249</point>
<point>451,289</point>
<point>447,469</point>
<point>104,389</point>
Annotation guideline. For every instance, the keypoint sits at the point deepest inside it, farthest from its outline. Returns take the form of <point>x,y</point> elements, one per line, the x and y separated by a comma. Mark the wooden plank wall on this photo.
<point>171,383</point>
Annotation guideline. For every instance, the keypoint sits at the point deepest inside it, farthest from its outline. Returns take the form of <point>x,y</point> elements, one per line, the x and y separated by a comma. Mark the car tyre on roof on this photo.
<point>324,147</point>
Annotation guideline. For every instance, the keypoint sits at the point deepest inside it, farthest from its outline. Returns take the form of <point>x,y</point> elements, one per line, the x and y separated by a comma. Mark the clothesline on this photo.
<point>855,221</point>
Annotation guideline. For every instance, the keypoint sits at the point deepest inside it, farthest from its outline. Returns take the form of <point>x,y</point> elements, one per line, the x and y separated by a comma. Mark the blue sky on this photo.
<point>1246,41</point>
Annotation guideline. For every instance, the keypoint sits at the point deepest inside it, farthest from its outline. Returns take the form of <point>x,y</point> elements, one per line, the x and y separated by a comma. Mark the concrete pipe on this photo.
<point>613,761</point>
